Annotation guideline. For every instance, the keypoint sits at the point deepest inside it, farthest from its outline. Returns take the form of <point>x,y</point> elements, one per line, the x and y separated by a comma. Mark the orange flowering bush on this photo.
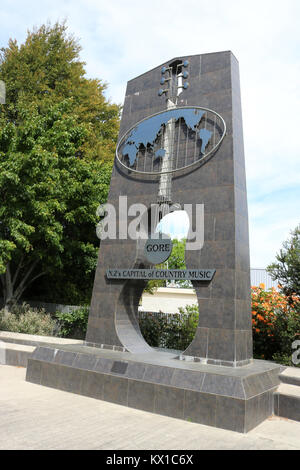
<point>275,323</point>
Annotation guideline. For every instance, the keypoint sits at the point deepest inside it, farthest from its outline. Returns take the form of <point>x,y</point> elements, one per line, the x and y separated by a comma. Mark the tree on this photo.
<point>287,268</point>
<point>47,69</point>
<point>57,135</point>
<point>177,258</point>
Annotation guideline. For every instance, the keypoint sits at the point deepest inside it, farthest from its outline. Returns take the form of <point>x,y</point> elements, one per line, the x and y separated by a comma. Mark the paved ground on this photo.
<point>36,417</point>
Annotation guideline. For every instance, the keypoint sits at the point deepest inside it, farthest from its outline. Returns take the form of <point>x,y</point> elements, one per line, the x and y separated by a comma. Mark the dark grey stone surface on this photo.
<point>158,374</point>
<point>119,367</point>
<point>141,395</point>
<point>223,385</point>
<point>13,357</point>
<point>136,370</point>
<point>231,398</point>
<point>103,364</point>
<point>276,404</point>
<point>169,401</point>
<point>85,361</point>
<point>93,385</point>
<point>230,413</point>
<point>70,378</point>
<point>188,380</point>
<point>34,371</point>
<point>65,358</point>
<point>115,390</point>
<point>224,333</point>
<point>200,408</point>
<point>44,353</point>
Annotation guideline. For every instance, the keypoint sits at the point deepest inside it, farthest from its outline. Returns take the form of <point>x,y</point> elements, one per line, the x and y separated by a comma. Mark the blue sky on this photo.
<point>121,39</point>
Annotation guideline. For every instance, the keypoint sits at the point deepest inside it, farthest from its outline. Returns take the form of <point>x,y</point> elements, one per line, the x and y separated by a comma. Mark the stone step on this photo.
<point>12,354</point>
<point>15,348</point>
<point>291,376</point>
<point>287,401</point>
<point>35,340</point>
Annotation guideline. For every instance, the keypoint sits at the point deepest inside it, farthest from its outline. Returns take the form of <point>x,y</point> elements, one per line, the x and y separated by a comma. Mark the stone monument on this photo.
<point>180,145</point>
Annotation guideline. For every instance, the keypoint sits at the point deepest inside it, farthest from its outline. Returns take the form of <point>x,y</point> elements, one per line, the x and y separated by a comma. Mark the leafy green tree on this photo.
<point>177,258</point>
<point>73,324</point>
<point>49,199</point>
<point>47,69</point>
<point>57,137</point>
<point>287,268</point>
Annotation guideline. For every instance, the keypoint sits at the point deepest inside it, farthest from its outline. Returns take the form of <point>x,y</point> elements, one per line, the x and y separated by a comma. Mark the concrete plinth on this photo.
<point>237,399</point>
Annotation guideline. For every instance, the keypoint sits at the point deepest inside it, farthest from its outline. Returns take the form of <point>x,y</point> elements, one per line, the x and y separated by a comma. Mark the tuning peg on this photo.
<point>165,69</point>
<point>161,92</point>
<point>164,80</point>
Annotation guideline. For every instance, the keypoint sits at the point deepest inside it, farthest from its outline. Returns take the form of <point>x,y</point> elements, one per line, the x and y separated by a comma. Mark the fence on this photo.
<point>49,307</point>
<point>258,276</point>
<point>168,331</point>
<point>168,317</point>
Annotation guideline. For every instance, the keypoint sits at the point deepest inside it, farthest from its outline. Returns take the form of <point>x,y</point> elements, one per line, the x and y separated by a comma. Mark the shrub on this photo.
<point>73,324</point>
<point>24,319</point>
<point>276,324</point>
<point>174,331</point>
<point>181,333</point>
<point>151,327</point>
<point>286,269</point>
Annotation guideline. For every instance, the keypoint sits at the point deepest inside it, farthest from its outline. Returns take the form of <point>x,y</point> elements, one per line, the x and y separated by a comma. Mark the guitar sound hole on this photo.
<point>168,311</point>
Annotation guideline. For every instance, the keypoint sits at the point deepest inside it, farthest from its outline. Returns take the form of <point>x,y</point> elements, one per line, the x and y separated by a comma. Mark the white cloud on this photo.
<point>122,39</point>
<point>271,218</point>
<point>175,224</point>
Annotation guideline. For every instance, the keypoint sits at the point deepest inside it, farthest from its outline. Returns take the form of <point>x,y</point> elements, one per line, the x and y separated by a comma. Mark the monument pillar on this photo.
<point>224,334</point>
<point>180,146</point>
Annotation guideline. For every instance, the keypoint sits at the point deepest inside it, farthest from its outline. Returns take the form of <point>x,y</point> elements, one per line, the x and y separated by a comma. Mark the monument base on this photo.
<point>237,399</point>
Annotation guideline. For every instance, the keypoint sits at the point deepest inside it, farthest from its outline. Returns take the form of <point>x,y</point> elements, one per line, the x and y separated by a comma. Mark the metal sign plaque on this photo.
<point>158,250</point>
<point>169,274</point>
<point>157,138</point>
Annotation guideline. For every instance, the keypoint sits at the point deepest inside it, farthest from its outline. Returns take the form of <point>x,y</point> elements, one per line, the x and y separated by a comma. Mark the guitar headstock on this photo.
<point>174,79</point>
